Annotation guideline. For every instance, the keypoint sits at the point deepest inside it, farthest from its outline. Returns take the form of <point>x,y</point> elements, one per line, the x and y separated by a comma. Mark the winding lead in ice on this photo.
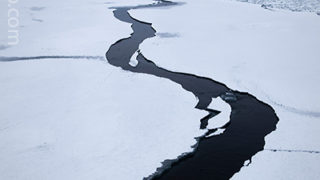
<point>214,157</point>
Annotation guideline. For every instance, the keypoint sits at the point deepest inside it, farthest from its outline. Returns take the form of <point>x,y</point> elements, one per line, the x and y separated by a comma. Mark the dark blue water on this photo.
<point>216,157</point>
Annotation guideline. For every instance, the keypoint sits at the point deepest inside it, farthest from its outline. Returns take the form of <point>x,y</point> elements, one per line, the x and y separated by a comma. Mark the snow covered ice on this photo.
<point>84,119</point>
<point>293,5</point>
<point>273,55</point>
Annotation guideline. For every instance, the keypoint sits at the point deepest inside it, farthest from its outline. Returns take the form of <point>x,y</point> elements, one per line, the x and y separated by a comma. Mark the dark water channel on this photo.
<point>216,157</point>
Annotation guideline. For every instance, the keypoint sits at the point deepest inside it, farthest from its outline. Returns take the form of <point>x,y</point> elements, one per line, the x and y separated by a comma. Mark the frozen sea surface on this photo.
<point>61,118</point>
<point>293,5</point>
<point>273,55</point>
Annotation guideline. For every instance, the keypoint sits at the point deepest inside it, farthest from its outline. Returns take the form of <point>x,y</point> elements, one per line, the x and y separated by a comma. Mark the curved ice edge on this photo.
<point>168,163</point>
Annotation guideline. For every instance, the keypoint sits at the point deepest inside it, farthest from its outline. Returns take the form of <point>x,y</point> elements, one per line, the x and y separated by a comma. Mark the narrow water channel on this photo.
<point>217,157</point>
